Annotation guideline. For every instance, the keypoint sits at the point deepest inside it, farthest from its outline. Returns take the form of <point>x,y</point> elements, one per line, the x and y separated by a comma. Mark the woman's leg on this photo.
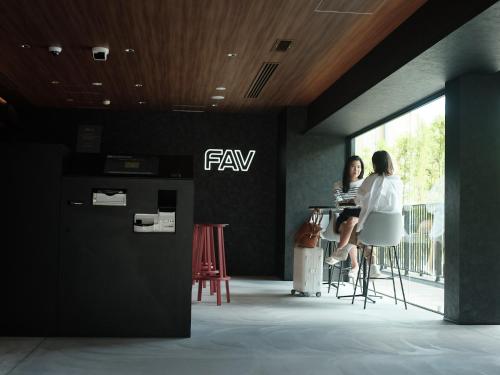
<point>345,230</point>
<point>369,254</point>
<point>353,254</point>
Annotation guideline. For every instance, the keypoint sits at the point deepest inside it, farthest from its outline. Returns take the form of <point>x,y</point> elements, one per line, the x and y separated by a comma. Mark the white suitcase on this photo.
<point>307,271</point>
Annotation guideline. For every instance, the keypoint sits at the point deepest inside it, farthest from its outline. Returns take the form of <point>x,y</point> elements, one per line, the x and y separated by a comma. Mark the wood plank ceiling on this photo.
<point>182,46</point>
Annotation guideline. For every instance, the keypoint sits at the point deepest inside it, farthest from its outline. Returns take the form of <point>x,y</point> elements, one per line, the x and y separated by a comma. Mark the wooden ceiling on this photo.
<point>181,49</point>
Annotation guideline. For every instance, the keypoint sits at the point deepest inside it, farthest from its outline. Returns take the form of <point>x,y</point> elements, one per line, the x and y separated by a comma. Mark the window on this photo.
<point>415,141</point>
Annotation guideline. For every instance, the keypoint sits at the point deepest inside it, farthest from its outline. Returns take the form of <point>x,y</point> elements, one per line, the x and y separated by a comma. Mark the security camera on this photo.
<point>55,50</point>
<point>100,53</point>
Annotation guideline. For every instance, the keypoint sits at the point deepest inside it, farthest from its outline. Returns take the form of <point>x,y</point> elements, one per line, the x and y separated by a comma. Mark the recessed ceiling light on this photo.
<point>106,102</point>
<point>96,83</point>
<point>220,88</point>
<point>142,102</point>
<point>70,100</point>
<point>232,54</point>
<point>138,85</point>
<point>25,46</point>
<point>217,97</point>
<point>55,82</point>
<point>129,50</point>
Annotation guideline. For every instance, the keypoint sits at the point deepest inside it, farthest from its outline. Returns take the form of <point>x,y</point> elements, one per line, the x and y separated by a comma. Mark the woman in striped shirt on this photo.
<point>344,193</point>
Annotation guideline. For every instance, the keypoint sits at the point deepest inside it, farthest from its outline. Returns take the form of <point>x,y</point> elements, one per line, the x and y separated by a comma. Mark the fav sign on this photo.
<point>219,159</point>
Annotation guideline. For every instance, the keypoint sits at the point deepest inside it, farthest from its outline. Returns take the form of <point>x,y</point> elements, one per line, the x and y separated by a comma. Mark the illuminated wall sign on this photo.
<point>218,159</point>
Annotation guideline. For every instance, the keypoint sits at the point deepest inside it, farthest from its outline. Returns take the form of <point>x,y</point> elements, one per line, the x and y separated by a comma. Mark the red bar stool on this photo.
<point>209,264</point>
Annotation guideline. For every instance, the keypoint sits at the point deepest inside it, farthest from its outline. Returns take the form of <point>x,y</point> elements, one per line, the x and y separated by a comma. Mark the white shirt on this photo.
<point>379,194</point>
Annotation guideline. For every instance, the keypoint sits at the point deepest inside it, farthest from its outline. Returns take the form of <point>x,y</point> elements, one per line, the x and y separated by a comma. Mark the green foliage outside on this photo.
<point>419,159</point>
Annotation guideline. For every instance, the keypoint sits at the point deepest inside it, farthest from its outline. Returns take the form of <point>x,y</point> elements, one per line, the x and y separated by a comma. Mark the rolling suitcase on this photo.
<point>307,271</point>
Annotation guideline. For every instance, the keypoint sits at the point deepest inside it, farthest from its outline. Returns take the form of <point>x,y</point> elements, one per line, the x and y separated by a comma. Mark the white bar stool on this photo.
<point>381,230</point>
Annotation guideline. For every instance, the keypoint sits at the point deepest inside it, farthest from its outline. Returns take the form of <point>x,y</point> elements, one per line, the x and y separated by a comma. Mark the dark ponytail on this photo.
<point>382,163</point>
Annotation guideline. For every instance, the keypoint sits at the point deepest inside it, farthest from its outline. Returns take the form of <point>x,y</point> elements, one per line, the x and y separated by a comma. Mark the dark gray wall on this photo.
<point>313,164</point>
<point>264,207</point>
<point>472,205</point>
<point>247,201</point>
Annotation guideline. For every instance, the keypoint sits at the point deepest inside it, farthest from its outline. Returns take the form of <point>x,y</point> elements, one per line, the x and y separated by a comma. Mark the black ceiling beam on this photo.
<point>428,25</point>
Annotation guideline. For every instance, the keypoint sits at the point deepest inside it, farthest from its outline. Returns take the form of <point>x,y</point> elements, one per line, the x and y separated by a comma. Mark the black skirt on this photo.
<point>346,214</point>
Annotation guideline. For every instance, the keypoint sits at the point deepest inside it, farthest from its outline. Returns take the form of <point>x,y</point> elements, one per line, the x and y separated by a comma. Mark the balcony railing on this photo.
<point>419,253</point>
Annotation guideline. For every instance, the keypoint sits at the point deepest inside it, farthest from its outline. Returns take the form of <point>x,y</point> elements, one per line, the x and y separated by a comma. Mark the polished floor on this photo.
<point>264,330</point>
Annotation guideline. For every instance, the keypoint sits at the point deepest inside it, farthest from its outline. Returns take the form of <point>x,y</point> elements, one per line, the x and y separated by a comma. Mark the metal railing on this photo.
<point>418,253</point>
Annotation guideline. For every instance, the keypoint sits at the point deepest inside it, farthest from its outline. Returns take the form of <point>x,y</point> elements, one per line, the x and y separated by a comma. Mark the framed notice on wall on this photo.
<point>89,139</point>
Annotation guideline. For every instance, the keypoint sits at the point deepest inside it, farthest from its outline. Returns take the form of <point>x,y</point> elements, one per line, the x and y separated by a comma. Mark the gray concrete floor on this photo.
<point>264,330</point>
<point>426,293</point>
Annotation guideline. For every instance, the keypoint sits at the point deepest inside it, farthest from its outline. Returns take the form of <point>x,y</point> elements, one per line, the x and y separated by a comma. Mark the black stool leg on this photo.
<point>392,273</point>
<point>373,282</point>
<point>356,284</point>
<point>332,246</point>
<point>328,253</point>
<point>368,278</point>
<point>338,280</point>
<point>400,279</point>
<point>330,275</point>
<point>360,263</point>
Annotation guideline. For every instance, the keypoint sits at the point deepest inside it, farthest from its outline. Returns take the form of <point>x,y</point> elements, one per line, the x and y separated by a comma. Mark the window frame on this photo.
<point>349,145</point>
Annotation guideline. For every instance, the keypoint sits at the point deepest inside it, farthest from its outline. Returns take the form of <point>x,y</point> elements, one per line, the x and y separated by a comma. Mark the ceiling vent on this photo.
<point>188,108</point>
<point>360,7</point>
<point>282,45</point>
<point>266,71</point>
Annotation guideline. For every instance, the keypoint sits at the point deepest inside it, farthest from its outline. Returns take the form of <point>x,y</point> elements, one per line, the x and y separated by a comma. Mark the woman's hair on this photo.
<point>382,163</point>
<point>346,178</point>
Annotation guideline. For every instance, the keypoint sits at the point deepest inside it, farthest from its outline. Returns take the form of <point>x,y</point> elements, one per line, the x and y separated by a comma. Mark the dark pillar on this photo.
<point>313,164</point>
<point>472,208</point>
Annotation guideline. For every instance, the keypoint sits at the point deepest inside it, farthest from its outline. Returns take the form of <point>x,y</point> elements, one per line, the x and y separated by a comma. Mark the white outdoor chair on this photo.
<point>382,230</point>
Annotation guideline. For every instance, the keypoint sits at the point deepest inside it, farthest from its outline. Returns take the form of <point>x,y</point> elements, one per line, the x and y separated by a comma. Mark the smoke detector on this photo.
<point>55,50</point>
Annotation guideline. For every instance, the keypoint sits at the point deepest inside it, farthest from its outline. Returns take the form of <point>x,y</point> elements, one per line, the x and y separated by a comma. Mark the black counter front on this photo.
<point>117,282</point>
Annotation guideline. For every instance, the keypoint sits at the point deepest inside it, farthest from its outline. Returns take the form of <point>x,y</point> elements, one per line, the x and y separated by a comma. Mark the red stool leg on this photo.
<point>219,298</point>
<point>212,287</point>
<point>209,263</point>
<point>211,248</point>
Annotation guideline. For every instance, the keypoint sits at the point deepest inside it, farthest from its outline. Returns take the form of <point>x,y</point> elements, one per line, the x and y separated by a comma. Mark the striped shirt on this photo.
<point>339,195</point>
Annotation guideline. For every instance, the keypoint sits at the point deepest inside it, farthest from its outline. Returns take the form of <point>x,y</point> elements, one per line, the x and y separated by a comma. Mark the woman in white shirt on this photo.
<point>344,192</point>
<point>382,191</point>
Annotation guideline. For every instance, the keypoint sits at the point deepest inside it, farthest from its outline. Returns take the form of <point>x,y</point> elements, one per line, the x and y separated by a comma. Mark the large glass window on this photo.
<point>415,141</point>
